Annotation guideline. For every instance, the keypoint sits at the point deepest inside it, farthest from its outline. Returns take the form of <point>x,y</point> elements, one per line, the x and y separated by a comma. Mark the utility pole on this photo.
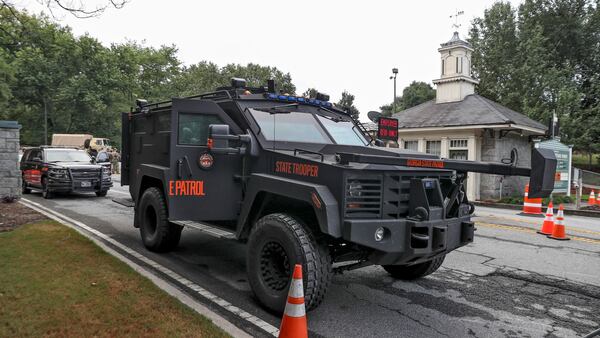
<point>45,122</point>
<point>395,72</point>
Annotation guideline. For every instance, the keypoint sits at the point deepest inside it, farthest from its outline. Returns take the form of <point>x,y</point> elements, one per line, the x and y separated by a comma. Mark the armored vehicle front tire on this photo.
<point>277,242</point>
<point>408,272</point>
<point>158,234</point>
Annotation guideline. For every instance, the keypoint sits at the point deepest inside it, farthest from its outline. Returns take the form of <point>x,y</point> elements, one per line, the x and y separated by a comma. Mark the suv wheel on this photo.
<point>24,189</point>
<point>408,272</point>
<point>46,193</point>
<point>158,234</point>
<point>101,193</point>
<point>277,242</point>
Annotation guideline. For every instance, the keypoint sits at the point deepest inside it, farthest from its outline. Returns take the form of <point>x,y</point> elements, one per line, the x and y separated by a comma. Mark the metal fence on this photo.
<point>589,179</point>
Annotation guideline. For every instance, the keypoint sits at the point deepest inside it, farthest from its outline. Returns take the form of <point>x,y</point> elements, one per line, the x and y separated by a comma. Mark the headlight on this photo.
<point>58,173</point>
<point>354,189</point>
<point>106,170</point>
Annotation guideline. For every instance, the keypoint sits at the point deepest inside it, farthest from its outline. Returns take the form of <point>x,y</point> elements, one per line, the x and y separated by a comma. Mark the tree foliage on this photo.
<point>84,86</point>
<point>541,58</point>
<point>413,95</point>
<point>347,103</point>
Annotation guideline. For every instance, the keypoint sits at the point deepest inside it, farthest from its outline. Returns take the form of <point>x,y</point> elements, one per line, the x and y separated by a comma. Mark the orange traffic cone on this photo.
<point>558,232</point>
<point>592,198</point>
<point>548,224</point>
<point>293,324</point>
<point>531,206</point>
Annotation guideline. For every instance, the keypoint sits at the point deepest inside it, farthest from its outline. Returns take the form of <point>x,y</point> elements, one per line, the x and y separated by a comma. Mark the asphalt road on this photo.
<point>511,282</point>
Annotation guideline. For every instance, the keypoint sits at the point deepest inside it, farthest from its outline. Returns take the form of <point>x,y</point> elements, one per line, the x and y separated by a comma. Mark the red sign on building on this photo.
<point>387,129</point>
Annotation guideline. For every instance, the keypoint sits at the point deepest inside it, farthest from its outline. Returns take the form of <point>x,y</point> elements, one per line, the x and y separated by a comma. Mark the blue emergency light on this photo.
<point>290,98</point>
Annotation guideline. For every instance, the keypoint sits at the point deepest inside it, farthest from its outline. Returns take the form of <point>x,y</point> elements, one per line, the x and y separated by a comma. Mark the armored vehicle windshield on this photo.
<point>307,127</point>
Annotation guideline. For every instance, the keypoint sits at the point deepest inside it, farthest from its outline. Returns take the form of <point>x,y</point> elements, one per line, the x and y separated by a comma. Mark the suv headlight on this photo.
<point>105,170</point>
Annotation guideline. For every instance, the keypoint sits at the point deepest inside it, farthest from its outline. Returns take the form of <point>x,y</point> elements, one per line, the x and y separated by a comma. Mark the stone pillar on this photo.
<point>444,147</point>
<point>10,175</point>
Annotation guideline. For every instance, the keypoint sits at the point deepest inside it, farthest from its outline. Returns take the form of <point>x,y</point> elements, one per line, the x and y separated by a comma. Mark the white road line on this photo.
<point>198,307</point>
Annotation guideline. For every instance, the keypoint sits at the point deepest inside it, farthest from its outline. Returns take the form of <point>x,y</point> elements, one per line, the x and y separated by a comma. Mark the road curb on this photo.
<point>160,282</point>
<point>585,213</point>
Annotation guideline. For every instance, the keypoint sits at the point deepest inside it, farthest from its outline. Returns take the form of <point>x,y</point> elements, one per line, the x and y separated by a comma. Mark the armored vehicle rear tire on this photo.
<point>277,242</point>
<point>408,272</point>
<point>158,234</point>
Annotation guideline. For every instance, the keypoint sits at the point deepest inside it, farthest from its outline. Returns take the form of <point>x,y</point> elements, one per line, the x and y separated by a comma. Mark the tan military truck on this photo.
<point>84,141</point>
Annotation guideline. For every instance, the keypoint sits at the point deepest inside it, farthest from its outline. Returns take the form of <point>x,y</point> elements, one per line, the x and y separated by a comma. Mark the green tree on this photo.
<point>347,103</point>
<point>414,94</point>
<point>494,58</point>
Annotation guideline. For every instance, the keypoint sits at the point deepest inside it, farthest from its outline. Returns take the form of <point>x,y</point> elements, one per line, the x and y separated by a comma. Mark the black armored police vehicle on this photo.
<point>300,181</point>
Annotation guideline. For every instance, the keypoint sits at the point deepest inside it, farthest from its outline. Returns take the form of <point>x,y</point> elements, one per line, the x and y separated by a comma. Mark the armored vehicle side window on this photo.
<point>193,128</point>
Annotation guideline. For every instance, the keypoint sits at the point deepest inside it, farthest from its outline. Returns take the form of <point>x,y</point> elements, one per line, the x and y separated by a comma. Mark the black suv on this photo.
<point>62,169</point>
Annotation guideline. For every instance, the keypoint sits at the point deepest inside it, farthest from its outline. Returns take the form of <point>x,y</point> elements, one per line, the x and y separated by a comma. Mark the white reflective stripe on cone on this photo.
<point>296,288</point>
<point>295,310</point>
<point>527,204</point>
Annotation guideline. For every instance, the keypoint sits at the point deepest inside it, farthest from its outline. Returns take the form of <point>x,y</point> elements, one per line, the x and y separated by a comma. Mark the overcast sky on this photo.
<point>330,45</point>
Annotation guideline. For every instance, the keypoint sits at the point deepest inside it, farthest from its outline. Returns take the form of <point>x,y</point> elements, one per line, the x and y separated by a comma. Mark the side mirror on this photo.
<point>379,143</point>
<point>219,140</point>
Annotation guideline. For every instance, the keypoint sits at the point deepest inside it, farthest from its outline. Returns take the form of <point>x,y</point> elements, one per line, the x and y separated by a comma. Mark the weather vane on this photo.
<point>456,25</point>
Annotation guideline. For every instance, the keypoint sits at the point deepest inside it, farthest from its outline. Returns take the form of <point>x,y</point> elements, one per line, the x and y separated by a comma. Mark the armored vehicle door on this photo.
<point>201,186</point>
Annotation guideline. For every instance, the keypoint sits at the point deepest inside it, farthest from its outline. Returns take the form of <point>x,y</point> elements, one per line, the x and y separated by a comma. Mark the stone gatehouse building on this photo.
<point>459,124</point>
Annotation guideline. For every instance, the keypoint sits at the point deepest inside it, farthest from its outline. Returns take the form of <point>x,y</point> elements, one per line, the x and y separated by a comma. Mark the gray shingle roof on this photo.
<point>473,110</point>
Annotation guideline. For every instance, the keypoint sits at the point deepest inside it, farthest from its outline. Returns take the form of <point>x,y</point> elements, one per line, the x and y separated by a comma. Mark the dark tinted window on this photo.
<point>35,153</point>
<point>193,128</point>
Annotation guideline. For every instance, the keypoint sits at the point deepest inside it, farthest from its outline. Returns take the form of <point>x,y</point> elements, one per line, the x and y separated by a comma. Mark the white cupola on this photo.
<point>455,82</point>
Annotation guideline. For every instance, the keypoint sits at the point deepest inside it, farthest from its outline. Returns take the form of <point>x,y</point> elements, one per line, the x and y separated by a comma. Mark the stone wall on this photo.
<point>494,149</point>
<point>10,175</point>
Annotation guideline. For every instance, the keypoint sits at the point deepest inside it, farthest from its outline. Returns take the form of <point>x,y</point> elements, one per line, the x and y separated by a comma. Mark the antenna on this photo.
<point>455,16</point>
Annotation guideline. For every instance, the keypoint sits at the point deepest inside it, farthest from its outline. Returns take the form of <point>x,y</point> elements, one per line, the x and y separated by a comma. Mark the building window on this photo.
<point>458,149</point>
<point>456,64</point>
<point>434,147</point>
<point>443,64</point>
<point>411,145</point>
<point>459,144</point>
<point>461,64</point>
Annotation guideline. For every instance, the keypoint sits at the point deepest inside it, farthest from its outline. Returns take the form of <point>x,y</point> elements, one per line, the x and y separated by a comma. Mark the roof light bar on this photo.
<point>290,98</point>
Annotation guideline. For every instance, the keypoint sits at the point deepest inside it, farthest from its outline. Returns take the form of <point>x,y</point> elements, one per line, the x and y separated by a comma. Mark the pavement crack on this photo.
<point>398,311</point>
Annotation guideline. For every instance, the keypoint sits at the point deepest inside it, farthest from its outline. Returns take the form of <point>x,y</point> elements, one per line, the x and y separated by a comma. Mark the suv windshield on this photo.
<point>67,155</point>
<point>306,127</point>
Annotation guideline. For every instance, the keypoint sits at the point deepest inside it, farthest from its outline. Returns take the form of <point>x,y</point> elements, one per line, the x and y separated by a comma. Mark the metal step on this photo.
<point>209,229</point>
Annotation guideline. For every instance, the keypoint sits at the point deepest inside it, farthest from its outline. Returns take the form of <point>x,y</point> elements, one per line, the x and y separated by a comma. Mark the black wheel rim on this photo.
<point>150,220</point>
<point>274,266</point>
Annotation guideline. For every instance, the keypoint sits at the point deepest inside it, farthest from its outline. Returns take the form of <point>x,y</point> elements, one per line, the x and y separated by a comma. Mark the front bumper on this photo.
<point>407,241</point>
<point>75,185</point>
